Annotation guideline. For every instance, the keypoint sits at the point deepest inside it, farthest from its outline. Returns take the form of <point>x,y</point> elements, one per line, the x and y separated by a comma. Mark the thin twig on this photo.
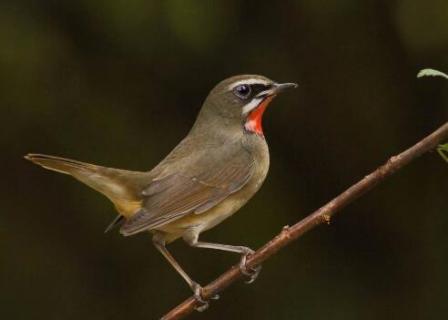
<point>322,215</point>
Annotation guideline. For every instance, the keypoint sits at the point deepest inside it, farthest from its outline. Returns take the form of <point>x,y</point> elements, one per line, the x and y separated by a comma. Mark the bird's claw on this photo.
<point>197,293</point>
<point>252,273</point>
<point>197,289</point>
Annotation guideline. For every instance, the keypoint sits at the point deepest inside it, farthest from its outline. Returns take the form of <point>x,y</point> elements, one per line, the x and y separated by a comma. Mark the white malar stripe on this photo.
<point>248,82</point>
<point>251,105</point>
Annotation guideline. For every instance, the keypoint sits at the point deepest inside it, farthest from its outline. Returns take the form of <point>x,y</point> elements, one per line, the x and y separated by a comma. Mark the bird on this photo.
<point>219,165</point>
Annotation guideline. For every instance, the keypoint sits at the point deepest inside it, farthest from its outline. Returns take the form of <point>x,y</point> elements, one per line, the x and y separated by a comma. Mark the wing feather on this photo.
<point>178,194</point>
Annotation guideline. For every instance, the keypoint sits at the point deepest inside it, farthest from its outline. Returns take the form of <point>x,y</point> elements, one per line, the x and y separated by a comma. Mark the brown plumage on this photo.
<point>211,174</point>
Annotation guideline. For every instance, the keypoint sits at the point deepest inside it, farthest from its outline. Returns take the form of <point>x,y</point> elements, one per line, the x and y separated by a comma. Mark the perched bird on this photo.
<point>206,178</point>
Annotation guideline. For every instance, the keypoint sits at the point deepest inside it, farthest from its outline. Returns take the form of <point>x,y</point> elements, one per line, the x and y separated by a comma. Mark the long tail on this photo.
<point>122,187</point>
<point>62,165</point>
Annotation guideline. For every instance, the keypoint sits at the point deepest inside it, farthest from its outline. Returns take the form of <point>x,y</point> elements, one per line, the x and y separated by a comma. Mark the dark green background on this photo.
<point>119,83</point>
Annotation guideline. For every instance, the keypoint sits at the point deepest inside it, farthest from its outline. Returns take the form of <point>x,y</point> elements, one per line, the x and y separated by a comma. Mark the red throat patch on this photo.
<point>254,119</point>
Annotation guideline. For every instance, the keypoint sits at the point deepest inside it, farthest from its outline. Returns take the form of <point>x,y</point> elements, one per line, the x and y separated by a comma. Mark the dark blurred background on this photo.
<point>119,83</point>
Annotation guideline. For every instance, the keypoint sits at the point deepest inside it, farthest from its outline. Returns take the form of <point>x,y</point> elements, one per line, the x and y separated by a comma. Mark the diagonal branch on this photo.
<point>322,215</point>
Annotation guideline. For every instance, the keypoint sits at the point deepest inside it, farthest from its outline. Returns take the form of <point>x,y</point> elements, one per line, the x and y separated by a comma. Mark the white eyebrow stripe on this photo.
<point>249,82</point>
<point>251,105</point>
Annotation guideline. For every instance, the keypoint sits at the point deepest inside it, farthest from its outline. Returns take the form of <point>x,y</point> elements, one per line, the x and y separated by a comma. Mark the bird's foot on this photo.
<point>197,292</point>
<point>252,273</point>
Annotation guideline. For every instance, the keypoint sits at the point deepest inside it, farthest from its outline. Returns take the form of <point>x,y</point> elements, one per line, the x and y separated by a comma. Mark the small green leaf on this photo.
<point>431,73</point>
<point>443,151</point>
<point>443,148</point>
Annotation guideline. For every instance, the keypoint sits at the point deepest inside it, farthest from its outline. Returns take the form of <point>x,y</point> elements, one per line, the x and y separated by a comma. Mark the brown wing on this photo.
<point>179,194</point>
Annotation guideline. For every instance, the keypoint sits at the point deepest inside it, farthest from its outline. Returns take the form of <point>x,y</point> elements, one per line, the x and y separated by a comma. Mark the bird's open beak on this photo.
<point>276,88</point>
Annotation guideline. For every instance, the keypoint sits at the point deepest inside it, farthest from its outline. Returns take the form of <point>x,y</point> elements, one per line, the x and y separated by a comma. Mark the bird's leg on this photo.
<point>252,273</point>
<point>160,245</point>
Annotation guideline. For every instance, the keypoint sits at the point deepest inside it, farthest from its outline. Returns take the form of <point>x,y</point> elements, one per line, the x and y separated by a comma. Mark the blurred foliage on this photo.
<point>119,83</point>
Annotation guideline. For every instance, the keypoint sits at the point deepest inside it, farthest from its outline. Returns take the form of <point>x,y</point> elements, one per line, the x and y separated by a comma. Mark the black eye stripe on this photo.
<point>257,88</point>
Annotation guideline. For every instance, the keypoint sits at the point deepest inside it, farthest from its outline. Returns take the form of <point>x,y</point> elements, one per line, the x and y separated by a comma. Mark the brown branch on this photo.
<point>322,215</point>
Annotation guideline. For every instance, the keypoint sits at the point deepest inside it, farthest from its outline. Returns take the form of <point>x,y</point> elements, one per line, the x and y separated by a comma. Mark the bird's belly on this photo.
<point>204,221</point>
<point>209,219</point>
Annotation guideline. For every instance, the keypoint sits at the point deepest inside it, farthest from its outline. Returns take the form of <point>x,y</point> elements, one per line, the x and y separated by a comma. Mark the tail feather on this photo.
<point>122,187</point>
<point>62,165</point>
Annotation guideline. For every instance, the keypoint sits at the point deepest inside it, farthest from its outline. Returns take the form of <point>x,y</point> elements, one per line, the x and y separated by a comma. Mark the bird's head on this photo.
<point>242,100</point>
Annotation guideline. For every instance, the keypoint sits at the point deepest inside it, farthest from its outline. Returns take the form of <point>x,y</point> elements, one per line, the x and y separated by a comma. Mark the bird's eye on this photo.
<point>242,91</point>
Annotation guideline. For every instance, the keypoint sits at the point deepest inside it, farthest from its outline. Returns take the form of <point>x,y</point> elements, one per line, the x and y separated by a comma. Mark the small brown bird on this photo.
<point>212,173</point>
